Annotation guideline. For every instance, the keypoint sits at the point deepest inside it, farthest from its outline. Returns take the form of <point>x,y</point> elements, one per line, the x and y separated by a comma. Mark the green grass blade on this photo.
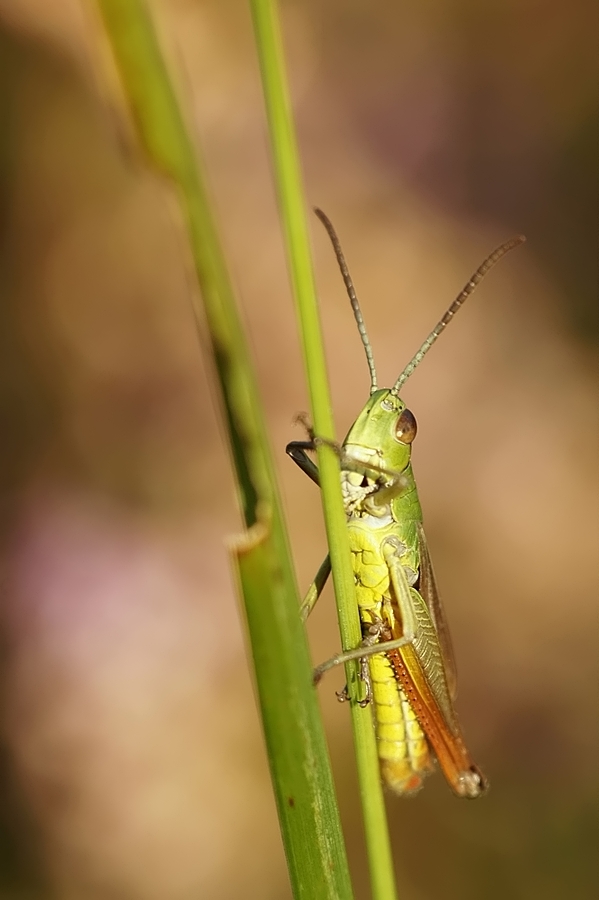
<point>290,193</point>
<point>297,749</point>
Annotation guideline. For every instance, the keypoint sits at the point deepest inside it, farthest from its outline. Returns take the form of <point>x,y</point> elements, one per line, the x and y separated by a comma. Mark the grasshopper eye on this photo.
<point>406,428</point>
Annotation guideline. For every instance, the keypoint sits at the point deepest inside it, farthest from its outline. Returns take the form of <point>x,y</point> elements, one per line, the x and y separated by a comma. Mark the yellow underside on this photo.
<point>403,750</point>
<point>402,747</point>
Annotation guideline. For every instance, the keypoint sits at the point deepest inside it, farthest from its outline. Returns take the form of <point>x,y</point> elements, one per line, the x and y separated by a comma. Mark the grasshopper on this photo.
<point>406,657</point>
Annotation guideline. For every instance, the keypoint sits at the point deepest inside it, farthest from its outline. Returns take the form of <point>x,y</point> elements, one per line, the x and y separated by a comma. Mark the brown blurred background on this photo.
<point>132,760</point>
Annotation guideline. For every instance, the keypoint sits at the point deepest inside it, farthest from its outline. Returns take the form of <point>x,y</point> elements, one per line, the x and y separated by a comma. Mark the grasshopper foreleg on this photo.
<point>316,588</point>
<point>298,451</point>
<point>392,483</point>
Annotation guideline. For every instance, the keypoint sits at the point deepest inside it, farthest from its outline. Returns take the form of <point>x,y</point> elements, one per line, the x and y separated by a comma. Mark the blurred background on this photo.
<point>132,759</point>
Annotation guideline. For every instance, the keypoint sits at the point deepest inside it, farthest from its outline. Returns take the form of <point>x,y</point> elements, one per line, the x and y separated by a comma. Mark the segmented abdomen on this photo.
<point>402,747</point>
<point>403,750</point>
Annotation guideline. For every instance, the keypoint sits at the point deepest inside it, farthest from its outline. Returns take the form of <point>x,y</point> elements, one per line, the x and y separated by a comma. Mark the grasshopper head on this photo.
<point>383,433</point>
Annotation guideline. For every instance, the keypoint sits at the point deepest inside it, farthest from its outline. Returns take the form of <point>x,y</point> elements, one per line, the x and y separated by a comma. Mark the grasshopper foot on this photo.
<point>366,681</point>
<point>343,695</point>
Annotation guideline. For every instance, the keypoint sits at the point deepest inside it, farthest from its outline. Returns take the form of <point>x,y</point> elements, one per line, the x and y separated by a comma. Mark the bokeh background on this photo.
<point>132,760</point>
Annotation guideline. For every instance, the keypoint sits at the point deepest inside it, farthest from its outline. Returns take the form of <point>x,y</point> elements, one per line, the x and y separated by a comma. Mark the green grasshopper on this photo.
<point>406,658</point>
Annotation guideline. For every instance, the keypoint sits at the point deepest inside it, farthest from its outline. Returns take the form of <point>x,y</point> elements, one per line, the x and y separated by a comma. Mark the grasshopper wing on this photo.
<point>430,595</point>
<point>420,670</point>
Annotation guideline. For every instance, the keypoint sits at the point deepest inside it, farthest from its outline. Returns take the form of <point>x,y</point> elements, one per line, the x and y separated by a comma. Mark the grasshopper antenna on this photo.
<point>353,299</point>
<point>459,300</point>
